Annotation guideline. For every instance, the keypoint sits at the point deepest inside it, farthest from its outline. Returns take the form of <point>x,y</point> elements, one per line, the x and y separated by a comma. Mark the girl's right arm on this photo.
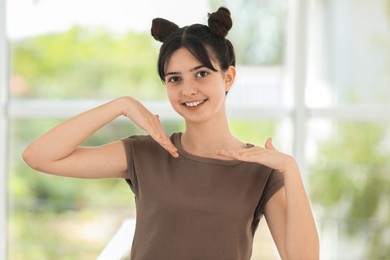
<point>59,152</point>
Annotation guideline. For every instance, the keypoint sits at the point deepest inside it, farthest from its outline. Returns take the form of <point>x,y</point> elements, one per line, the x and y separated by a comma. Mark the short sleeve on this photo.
<point>274,183</point>
<point>131,177</point>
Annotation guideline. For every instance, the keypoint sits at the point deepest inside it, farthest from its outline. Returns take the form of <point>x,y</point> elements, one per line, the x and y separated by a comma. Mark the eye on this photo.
<point>173,79</point>
<point>202,74</point>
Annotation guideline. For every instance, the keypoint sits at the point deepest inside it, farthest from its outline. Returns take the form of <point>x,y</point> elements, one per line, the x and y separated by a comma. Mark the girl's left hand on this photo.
<point>267,156</point>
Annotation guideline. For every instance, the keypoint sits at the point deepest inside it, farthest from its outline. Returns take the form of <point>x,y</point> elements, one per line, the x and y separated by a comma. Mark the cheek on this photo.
<point>171,94</point>
<point>222,88</point>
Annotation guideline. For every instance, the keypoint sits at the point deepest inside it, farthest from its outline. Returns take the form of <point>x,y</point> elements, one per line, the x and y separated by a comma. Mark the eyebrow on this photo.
<point>193,69</point>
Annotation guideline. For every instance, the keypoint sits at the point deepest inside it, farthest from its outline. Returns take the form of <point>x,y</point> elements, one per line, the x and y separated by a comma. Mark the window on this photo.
<point>311,74</point>
<point>347,152</point>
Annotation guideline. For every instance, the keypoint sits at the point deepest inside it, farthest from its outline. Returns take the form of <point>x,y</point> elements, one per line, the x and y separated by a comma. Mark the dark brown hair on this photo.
<point>200,40</point>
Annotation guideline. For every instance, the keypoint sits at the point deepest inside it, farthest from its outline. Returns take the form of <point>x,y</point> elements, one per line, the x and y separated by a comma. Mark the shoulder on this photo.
<point>137,143</point>
<point>143,143</point>
<point>145,138</point>
<point>254,167</point>
<point>138,140</point>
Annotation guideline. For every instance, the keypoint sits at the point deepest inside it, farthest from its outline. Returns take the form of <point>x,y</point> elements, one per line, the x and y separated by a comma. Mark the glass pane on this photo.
<point>110,53</point>
<point>257,131</point>
<point>349,180</point>
<point>349,53</point>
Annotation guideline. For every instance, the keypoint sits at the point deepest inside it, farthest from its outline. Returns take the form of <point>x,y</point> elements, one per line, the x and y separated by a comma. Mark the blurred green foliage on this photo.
<point>253,132</point>
<point>350,181</point>
<point>88,63</point>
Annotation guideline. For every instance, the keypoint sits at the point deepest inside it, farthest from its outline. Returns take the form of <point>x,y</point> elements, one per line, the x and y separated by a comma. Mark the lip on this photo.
<point>192,105</point>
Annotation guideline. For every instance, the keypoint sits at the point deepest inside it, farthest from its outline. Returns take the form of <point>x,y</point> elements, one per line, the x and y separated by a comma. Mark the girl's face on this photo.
<point>196,92</point>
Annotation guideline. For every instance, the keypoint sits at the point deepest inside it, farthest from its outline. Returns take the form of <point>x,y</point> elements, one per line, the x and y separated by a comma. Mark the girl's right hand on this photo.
<point>142,117</point>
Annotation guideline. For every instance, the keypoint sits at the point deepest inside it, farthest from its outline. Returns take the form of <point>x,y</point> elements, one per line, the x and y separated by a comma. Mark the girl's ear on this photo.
<point>230,76</point>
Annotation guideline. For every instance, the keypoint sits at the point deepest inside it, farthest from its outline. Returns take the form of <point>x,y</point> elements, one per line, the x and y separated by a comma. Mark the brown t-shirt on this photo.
<point>193,207</point>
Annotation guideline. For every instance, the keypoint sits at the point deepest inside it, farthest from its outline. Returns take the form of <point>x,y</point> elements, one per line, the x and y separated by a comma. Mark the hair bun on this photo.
<point>220,22</point>
<point>162,28</point>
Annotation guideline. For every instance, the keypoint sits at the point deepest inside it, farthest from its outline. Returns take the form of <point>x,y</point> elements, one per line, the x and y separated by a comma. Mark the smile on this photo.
<point>194,104</point>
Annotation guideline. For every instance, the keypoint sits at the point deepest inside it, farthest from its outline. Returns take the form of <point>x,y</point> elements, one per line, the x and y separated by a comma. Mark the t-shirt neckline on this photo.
<point>176,140</point>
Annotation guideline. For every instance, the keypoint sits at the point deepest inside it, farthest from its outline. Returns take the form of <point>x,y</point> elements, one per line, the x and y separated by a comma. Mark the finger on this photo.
<point>254,154</point>
<point>159,135</point>
<point>168,145</point>
<point>269,145</point>
<point>225,153</point>
<point>241,154</point>
<point>232,154</point>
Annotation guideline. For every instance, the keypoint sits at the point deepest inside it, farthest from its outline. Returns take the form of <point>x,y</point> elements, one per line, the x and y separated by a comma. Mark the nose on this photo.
<point>189,90</point>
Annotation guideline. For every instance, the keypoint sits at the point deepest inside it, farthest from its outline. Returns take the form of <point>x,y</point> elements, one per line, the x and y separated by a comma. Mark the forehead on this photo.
<point>183,59</point>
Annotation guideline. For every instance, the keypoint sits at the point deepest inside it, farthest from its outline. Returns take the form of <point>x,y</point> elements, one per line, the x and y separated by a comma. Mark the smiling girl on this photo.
<point>200,194</point>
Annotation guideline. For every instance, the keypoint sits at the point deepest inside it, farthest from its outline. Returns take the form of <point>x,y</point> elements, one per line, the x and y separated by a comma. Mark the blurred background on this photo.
<point>312,74</point>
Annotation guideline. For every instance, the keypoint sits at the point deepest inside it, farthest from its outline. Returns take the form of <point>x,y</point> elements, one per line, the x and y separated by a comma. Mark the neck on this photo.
<point>205,138</point>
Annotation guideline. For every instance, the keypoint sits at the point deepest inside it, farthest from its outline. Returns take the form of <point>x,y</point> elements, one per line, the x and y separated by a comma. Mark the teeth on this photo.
<point>194,104</point>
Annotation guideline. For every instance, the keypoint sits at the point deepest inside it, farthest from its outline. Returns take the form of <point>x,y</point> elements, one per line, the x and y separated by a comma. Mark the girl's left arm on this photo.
<point>288,211</point>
